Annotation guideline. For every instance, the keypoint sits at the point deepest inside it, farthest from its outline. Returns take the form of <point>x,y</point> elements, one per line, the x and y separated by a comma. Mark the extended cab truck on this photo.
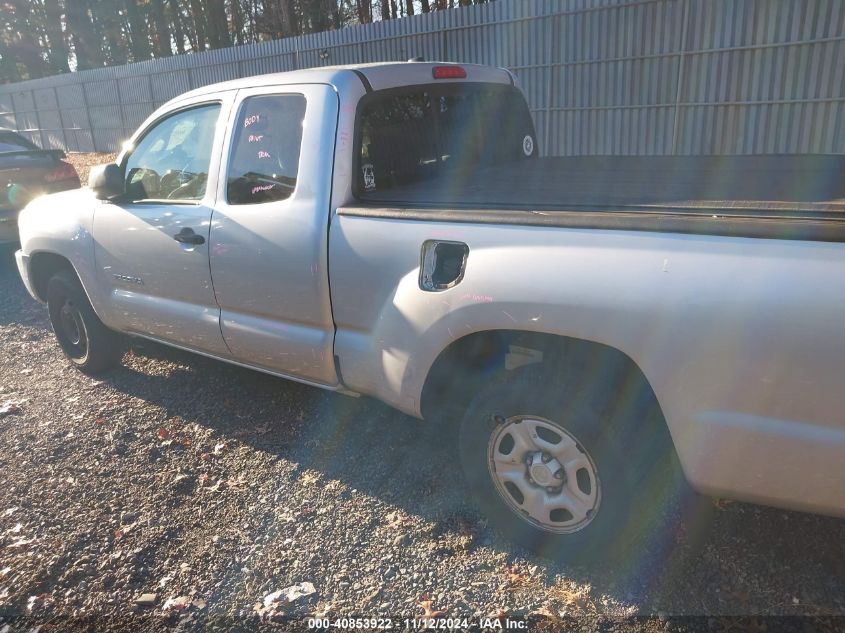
<point>390,230</point>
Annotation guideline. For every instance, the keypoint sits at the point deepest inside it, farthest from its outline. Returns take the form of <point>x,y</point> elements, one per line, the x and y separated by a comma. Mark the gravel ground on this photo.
<point>84,161</point>
<point>212,487</point>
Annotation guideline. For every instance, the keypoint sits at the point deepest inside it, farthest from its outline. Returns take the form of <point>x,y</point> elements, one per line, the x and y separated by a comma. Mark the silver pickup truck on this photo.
<point>390,230</point>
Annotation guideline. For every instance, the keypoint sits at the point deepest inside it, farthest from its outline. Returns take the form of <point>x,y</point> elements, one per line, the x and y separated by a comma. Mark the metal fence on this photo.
<point>601,76</point>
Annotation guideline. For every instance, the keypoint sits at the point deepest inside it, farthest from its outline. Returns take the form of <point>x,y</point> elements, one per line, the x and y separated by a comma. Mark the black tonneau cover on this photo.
<point>751,183</point>
<point>787,197</point>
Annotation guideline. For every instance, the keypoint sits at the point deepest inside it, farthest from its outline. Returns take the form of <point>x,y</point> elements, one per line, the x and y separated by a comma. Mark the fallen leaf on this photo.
<point>238,483</point>
<point>427,605</point>
<point>289,594</point>
<point>308,478</point>
<point>163,434</point>
<point>177,604</point>
<point>100,420</point>
<point>123,531</point>
<point>9,408</point>
<point>398,520</point>
<point>217,487</point>
<point>38,602</point>
<point>722,504</point>
<point>515,577</point>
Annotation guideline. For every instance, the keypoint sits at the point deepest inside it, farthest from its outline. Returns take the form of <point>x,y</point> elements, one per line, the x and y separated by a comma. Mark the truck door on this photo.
<point>151,250</point>
<point>269,231</point>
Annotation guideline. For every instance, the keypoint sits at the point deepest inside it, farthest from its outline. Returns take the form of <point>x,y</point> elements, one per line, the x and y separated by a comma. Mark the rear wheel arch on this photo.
<point>592,393</point>
<point>468,363</point>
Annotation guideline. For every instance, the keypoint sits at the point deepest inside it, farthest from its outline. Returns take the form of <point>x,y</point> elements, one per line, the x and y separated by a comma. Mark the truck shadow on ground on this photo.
<point>719,556</point>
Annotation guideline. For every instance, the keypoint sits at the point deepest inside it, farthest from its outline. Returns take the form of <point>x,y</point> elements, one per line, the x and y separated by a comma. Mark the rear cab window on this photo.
<point>411,136</point>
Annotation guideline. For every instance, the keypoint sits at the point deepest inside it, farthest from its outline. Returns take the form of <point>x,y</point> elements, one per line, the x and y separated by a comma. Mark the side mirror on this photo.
<point>106,181</point>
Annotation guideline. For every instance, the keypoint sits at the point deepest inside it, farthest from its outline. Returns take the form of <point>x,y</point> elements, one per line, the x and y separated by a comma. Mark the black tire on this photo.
<point>638,480</point>
<point>90,345</point>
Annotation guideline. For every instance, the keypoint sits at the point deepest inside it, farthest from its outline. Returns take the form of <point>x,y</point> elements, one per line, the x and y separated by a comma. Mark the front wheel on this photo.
<point>568,468</point>
<point>90,345</point>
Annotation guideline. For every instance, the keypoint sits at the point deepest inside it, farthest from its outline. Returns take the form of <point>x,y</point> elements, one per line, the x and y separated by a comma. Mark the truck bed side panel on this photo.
<point>741,339</point>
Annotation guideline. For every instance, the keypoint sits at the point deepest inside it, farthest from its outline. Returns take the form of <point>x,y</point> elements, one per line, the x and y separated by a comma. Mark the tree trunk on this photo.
<point>23,45</point>
<point>176,20</point>
<point>385,9</point>
<point>198,17</point>
<point>55,38</point>
<point>409,7</point>
<point>216,24</point>
<point>334,10</point>
<point>288,18</point>
<point>139,42</point>
<point>8,66</point>
<point>426,8</point>
<point>237,21</point>
<point>86,44</point>
<point>365,11</point>
<point>161,41</point>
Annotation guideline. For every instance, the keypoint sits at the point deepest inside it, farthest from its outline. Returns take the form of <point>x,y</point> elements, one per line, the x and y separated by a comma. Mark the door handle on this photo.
<point>187,236</point>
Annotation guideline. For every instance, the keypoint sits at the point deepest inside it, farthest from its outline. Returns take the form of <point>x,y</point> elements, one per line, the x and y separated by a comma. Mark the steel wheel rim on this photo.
<point>543,474</point>
<point>73,328</point>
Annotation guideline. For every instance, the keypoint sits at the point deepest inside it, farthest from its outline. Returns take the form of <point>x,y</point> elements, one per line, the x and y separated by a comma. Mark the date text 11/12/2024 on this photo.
<point>412,624</point>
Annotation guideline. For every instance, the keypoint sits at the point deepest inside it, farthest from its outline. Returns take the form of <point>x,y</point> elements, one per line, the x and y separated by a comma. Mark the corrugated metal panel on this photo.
<point>108,140</point>
<point>134,114</point>
<point>601,76</point>
<point>74,118</point>
<point>167,85</point>
<point>135,89</point>
<point>23,100</point>
<point>45,99</point>
<point>106,117</point>
<point>102,93</point>
<point>49,120</point>
<point>53,139</point>
<point>71,96</point>
<point>26,121</point>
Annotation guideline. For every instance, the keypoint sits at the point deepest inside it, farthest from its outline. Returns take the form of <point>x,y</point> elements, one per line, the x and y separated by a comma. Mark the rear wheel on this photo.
<point>90,345</point>
<point>568,468</point>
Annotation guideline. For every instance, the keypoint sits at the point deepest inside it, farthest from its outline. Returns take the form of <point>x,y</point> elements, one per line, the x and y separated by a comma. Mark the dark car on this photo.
<point>27,171</point>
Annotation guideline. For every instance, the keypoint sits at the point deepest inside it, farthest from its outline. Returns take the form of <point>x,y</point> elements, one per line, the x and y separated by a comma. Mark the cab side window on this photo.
<point>265,149</point>
<point>171,160</point>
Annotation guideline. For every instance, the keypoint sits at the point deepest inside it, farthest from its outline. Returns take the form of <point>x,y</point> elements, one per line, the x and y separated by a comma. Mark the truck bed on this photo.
<point>792,197</point>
